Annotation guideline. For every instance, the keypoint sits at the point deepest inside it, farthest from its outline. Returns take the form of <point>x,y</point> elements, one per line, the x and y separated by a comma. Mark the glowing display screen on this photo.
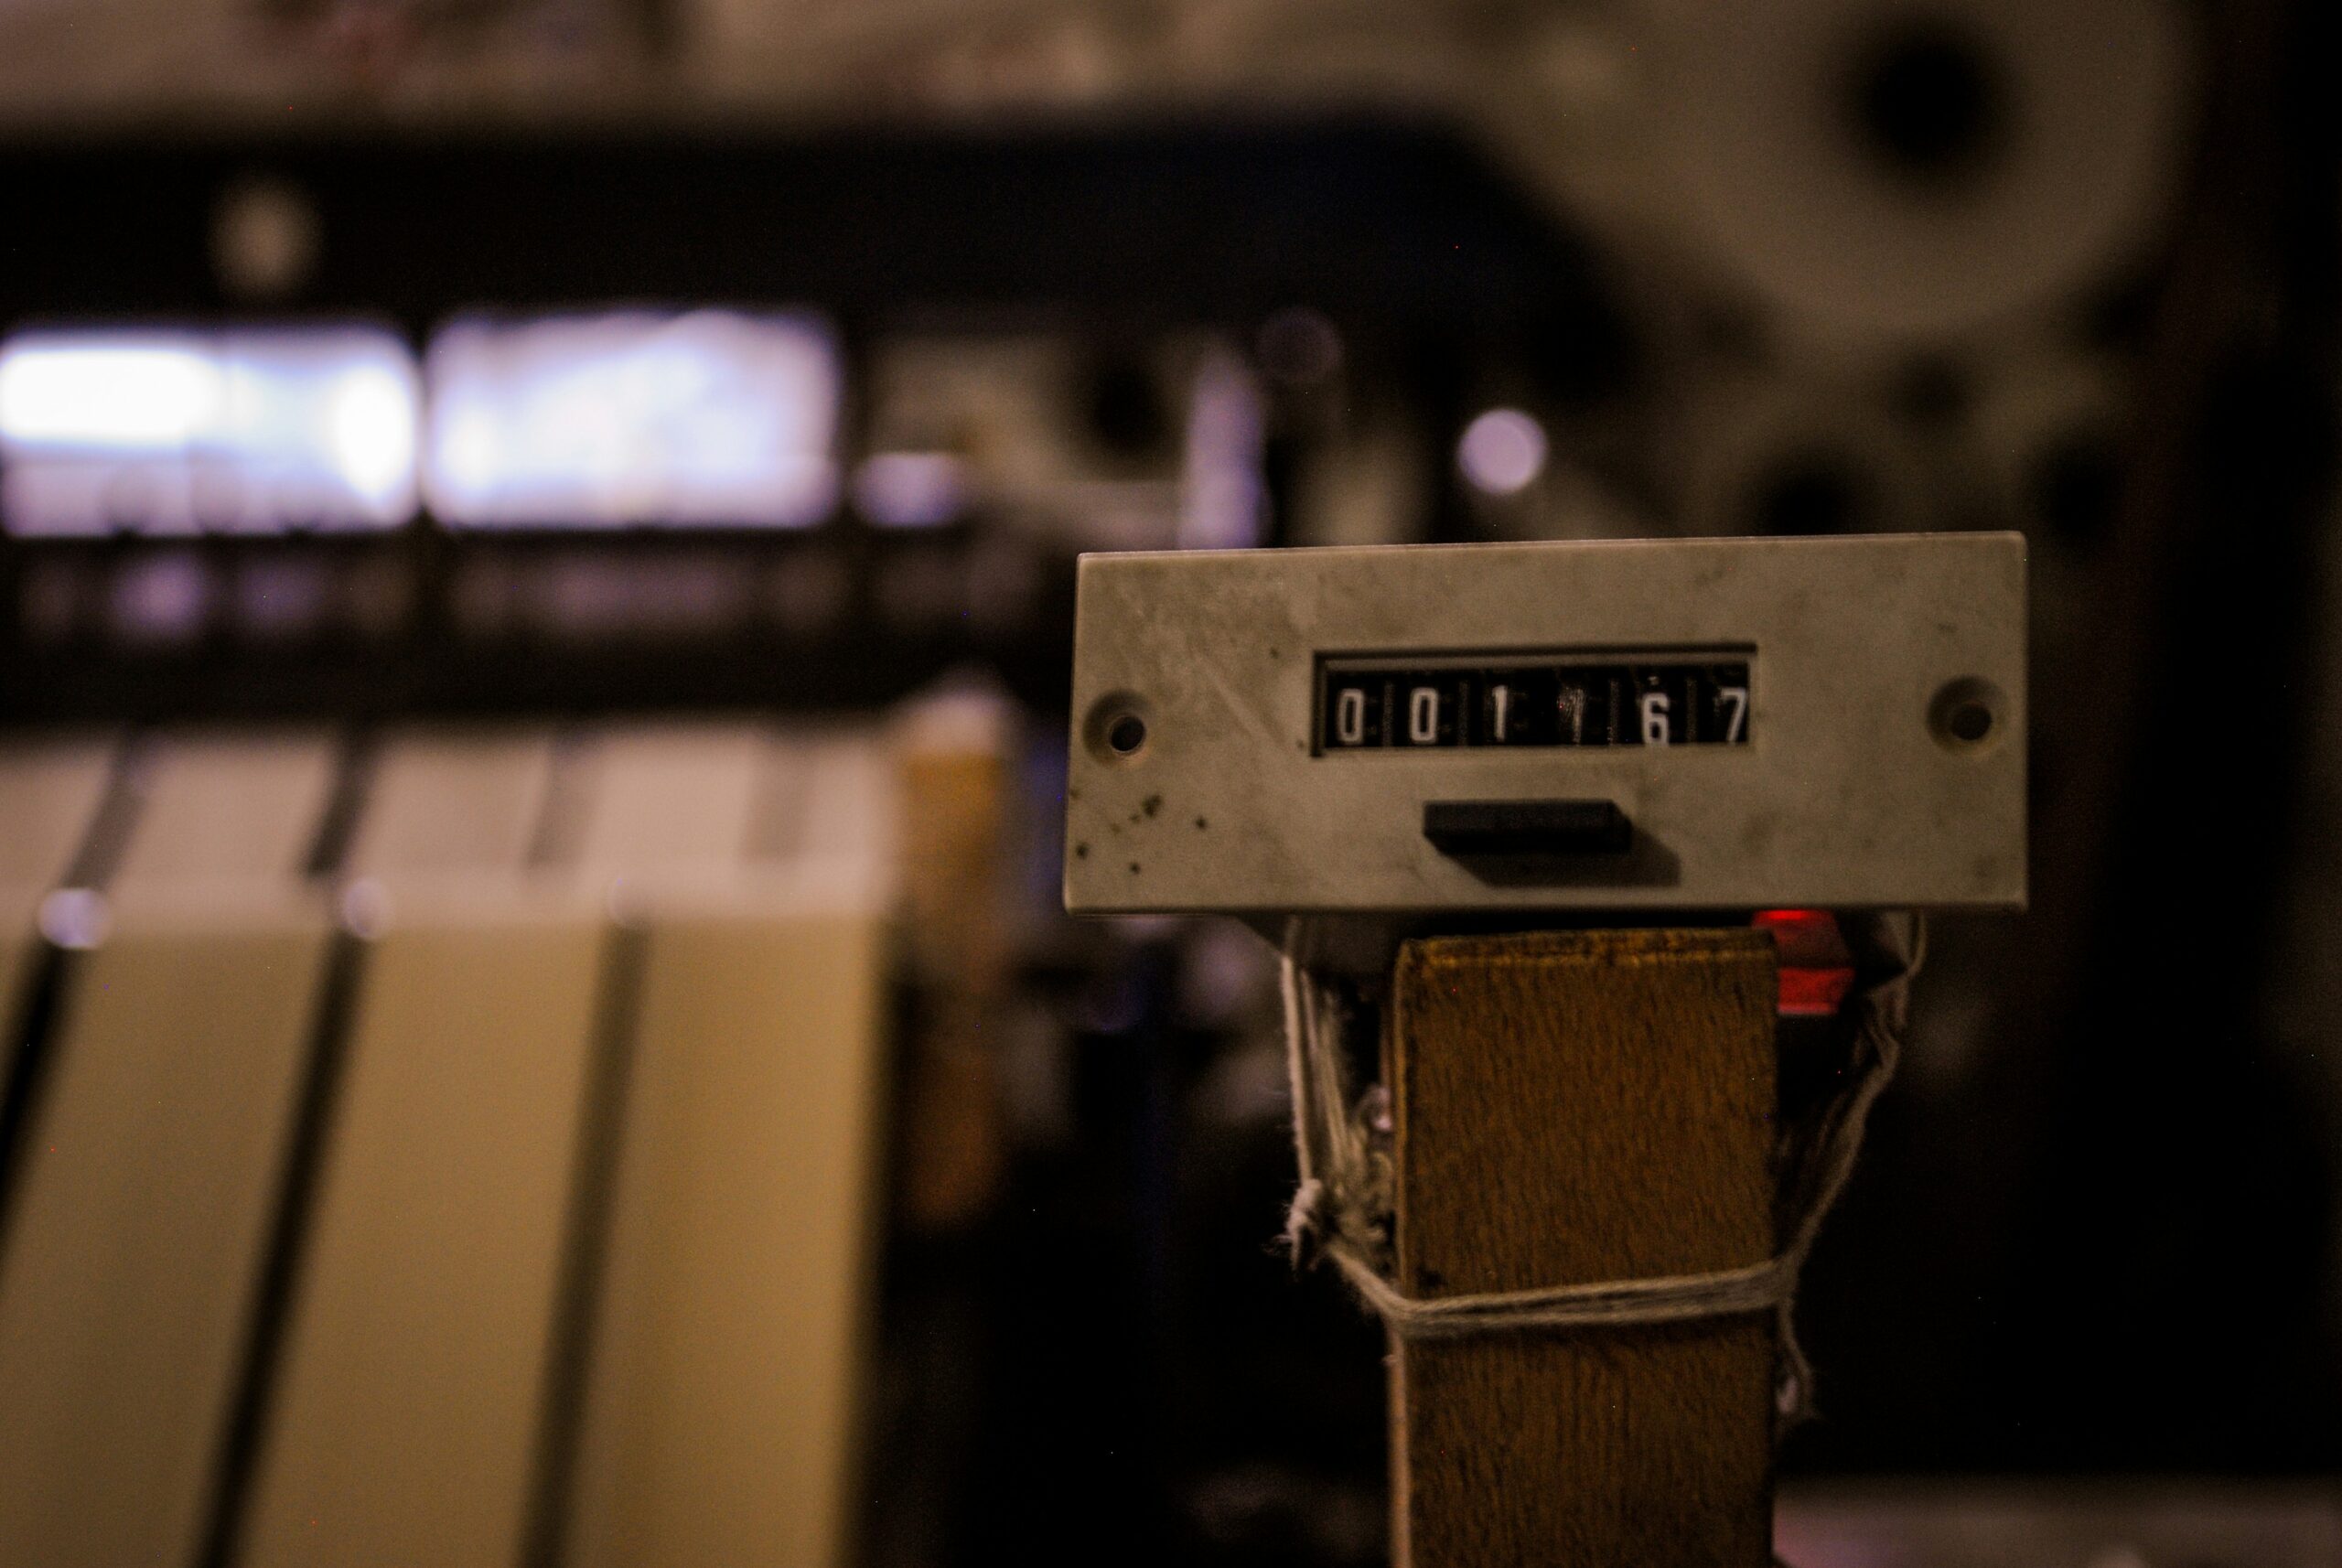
<point>186,431</point>
<point>705,418</point>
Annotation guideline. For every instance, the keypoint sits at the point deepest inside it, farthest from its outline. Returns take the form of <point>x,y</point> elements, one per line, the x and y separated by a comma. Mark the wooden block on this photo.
<point>720,1416</point>
<point>1575,1108</point>
<point>138,1236</point>
<point>412,1378</point>
<point>956,787</point>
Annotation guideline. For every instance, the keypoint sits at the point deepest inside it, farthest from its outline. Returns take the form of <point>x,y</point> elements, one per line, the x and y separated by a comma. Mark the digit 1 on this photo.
<point>1572,710</point>
<point>1349,716</point>
<point>1422,715</point>
<point>1499,707</point>
<point>1658,728</point>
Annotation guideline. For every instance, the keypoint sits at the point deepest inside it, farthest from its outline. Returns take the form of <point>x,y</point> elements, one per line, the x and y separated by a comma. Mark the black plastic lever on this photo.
<point>1480,828</point>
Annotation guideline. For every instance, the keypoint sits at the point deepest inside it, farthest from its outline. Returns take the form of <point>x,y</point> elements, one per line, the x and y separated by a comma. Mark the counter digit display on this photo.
<point>1370,704</point>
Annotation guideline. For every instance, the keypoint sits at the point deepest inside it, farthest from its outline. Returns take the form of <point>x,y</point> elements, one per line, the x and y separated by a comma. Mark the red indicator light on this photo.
<point>1816,969</point>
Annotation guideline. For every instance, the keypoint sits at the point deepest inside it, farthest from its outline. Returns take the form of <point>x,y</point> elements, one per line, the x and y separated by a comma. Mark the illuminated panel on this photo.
<point>181,431</point>
<point>704,419</point>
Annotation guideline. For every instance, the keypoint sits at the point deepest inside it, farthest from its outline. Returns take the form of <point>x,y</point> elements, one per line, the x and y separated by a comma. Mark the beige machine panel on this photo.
<point>846,805</point>
<point>136,1247</point>
<point>49,795</point>
<point>722,1382</point>
<point>453,801</point>
<point>679,797</point>
<point>720,1419</point>
<point>153,1167</point>
<point>229,807</point>
<point>1679,725</point>
<point>411,1387</point>
<point>408,1398</point>
<point>154,1155</point>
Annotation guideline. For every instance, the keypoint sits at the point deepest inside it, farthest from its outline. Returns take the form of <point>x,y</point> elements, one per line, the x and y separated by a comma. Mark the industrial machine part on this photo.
<point>1627,725</point>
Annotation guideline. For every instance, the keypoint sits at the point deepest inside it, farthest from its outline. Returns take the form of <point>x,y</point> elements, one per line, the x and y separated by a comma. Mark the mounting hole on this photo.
<point>1968,714</point>
<point>1930,103</point>
<point>1970,721</point>
<point>1118,727</point>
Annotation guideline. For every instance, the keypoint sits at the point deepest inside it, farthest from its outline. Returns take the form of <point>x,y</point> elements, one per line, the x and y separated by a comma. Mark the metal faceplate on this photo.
<point>1685,724</point>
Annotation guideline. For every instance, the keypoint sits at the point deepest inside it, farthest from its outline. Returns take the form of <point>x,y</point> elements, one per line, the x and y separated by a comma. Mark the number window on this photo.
<point>1373,706</point>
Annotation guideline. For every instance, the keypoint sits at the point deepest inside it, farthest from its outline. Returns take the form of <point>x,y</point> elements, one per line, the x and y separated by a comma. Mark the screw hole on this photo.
<point>1966,715</point>
<point>1117,729</point>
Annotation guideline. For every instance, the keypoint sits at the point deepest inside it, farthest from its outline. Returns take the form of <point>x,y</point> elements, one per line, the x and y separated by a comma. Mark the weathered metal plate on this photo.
<point>1851,774</point>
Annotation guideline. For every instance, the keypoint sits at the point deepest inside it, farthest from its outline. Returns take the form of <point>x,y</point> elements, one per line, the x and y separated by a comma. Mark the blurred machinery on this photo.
<point>371,1183</point>
<point>478,479</point>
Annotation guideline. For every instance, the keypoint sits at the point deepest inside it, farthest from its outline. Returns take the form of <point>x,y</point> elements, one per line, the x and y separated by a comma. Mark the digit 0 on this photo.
<point>1423,715</point>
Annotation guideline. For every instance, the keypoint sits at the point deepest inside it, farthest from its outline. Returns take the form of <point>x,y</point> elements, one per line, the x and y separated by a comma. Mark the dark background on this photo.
<point>2095,1231</point>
